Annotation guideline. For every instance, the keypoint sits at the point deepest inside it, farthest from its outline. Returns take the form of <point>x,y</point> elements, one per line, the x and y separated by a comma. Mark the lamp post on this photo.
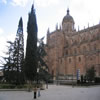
<point>37,75</point>
<point>47,81</point>
<point>72,81</point>
<point>36,86</point>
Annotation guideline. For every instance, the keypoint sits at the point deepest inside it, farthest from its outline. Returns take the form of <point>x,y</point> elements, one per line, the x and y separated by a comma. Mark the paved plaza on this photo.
<point>56,93</point>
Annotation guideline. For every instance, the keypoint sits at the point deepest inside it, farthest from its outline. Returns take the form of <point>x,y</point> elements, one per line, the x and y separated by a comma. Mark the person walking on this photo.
<point>39,92</point>
<point>35,92</point>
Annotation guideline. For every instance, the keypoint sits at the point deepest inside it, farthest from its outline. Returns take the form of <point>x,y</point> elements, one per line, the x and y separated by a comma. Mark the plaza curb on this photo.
<point>13,89</point>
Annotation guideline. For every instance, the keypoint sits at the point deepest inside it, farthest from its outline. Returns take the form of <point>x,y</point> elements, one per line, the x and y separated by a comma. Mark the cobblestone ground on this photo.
<point>56,93</point>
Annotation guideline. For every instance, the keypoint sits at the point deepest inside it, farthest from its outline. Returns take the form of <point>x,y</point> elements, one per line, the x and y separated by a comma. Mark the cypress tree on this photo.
<point>31,61</point>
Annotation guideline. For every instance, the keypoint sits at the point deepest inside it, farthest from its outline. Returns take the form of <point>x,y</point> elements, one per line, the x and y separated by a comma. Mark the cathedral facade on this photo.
<point>69,51</point>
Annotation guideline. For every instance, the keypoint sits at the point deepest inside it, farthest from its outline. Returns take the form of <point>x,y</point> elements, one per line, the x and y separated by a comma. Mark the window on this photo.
<point>75,51</point>
<point>69,60</point>
<point>53,72</point>
<point>67,52</point>
<point>67,43</point>
<point>61,60</point>
<point>95,47</point>
<point>84,48</point>
<point>91,58</point>
<point>70,52</point>
<point>79,59</point>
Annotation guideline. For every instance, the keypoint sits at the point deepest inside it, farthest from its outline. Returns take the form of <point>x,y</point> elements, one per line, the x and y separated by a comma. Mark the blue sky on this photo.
<point>48,12</point>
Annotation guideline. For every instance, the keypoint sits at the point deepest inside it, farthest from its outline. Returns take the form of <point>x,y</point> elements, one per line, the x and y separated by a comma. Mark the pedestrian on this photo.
<point>39,92</point>
<point>35,92</point>
<point>47,85</point>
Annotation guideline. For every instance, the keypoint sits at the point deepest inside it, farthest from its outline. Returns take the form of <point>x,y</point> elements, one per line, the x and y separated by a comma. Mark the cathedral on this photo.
<point>70,51</point>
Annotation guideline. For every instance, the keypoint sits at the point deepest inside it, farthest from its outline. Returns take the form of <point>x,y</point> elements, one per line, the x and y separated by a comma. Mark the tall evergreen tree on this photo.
<point>43,68</point>
<point>19,47</point>
<point>8,63</point>
<point>13,67</point>
<point>90,74</point>
<point>19,52</point>
<point>31,61</point>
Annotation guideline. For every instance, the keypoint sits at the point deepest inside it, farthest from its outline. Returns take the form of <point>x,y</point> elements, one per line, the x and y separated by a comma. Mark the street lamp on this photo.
<point>37,75</point>
<point>37,70</point>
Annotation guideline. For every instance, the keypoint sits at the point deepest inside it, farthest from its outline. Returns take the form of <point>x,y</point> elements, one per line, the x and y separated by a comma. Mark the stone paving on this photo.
<point>56,93</point>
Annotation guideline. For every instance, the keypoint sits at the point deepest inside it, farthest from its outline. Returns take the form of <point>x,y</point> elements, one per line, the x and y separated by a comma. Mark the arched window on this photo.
<point>95,47</point>
<point>90,47</point>
<point>70,52</point>
<point>61,60</point>
<point>67,52</point>
<point>75,51</point>
<point>53,72</point>
<point>91,58</point>
<point>84,49</point>
<point>79,59</point>
<point>69,60</point>
<point>67,43</point>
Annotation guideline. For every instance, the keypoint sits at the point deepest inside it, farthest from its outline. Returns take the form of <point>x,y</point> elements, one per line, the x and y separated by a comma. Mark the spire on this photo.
<point>67,11</point>
<point>78,28</point>
<point>84,27</point>
<point>99,21</point>
<point>88,25</point>
<point>48,31</point>
<point>57,26</point>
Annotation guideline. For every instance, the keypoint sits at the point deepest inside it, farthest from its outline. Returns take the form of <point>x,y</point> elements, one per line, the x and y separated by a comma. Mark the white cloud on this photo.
<point>85,11</point>
<point>1,31</point>
<point>45,3</point>
<point>4,1</point>
<point>3,43</point>
<point>40,3</point>
<point>21,3</point>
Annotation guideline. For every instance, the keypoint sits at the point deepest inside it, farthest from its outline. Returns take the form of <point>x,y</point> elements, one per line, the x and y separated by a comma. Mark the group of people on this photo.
<point>36,92</point>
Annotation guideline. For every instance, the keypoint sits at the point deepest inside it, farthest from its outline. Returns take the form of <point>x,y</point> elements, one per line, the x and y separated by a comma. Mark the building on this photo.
<point>69,51</point>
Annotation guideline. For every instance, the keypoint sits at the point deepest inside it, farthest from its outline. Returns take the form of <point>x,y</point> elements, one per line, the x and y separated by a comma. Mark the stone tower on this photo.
<point>68,23</point>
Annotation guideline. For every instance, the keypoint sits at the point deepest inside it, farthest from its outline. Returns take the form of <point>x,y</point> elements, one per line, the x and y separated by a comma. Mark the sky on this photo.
<point>49,13</point>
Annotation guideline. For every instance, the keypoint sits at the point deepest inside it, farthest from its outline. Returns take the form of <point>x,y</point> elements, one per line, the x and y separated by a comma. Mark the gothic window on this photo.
<point>61,60</point>
<point>67,43</point>
<point>95,47</point>
<point>84,49</point>
<point>79,59</point>
<point>90,47</point>
<point>91,58</point>
<point>53,72</point>
<point>67,52</point>
<point>72,41</point>
<point>75,51</point>
<point>70,52</point>
<point>69,60</point>
<point>75,42</point>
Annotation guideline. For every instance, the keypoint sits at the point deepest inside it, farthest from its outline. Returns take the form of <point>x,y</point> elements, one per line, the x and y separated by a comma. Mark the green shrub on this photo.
<point>97,79</point>
<point>7,86</point>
